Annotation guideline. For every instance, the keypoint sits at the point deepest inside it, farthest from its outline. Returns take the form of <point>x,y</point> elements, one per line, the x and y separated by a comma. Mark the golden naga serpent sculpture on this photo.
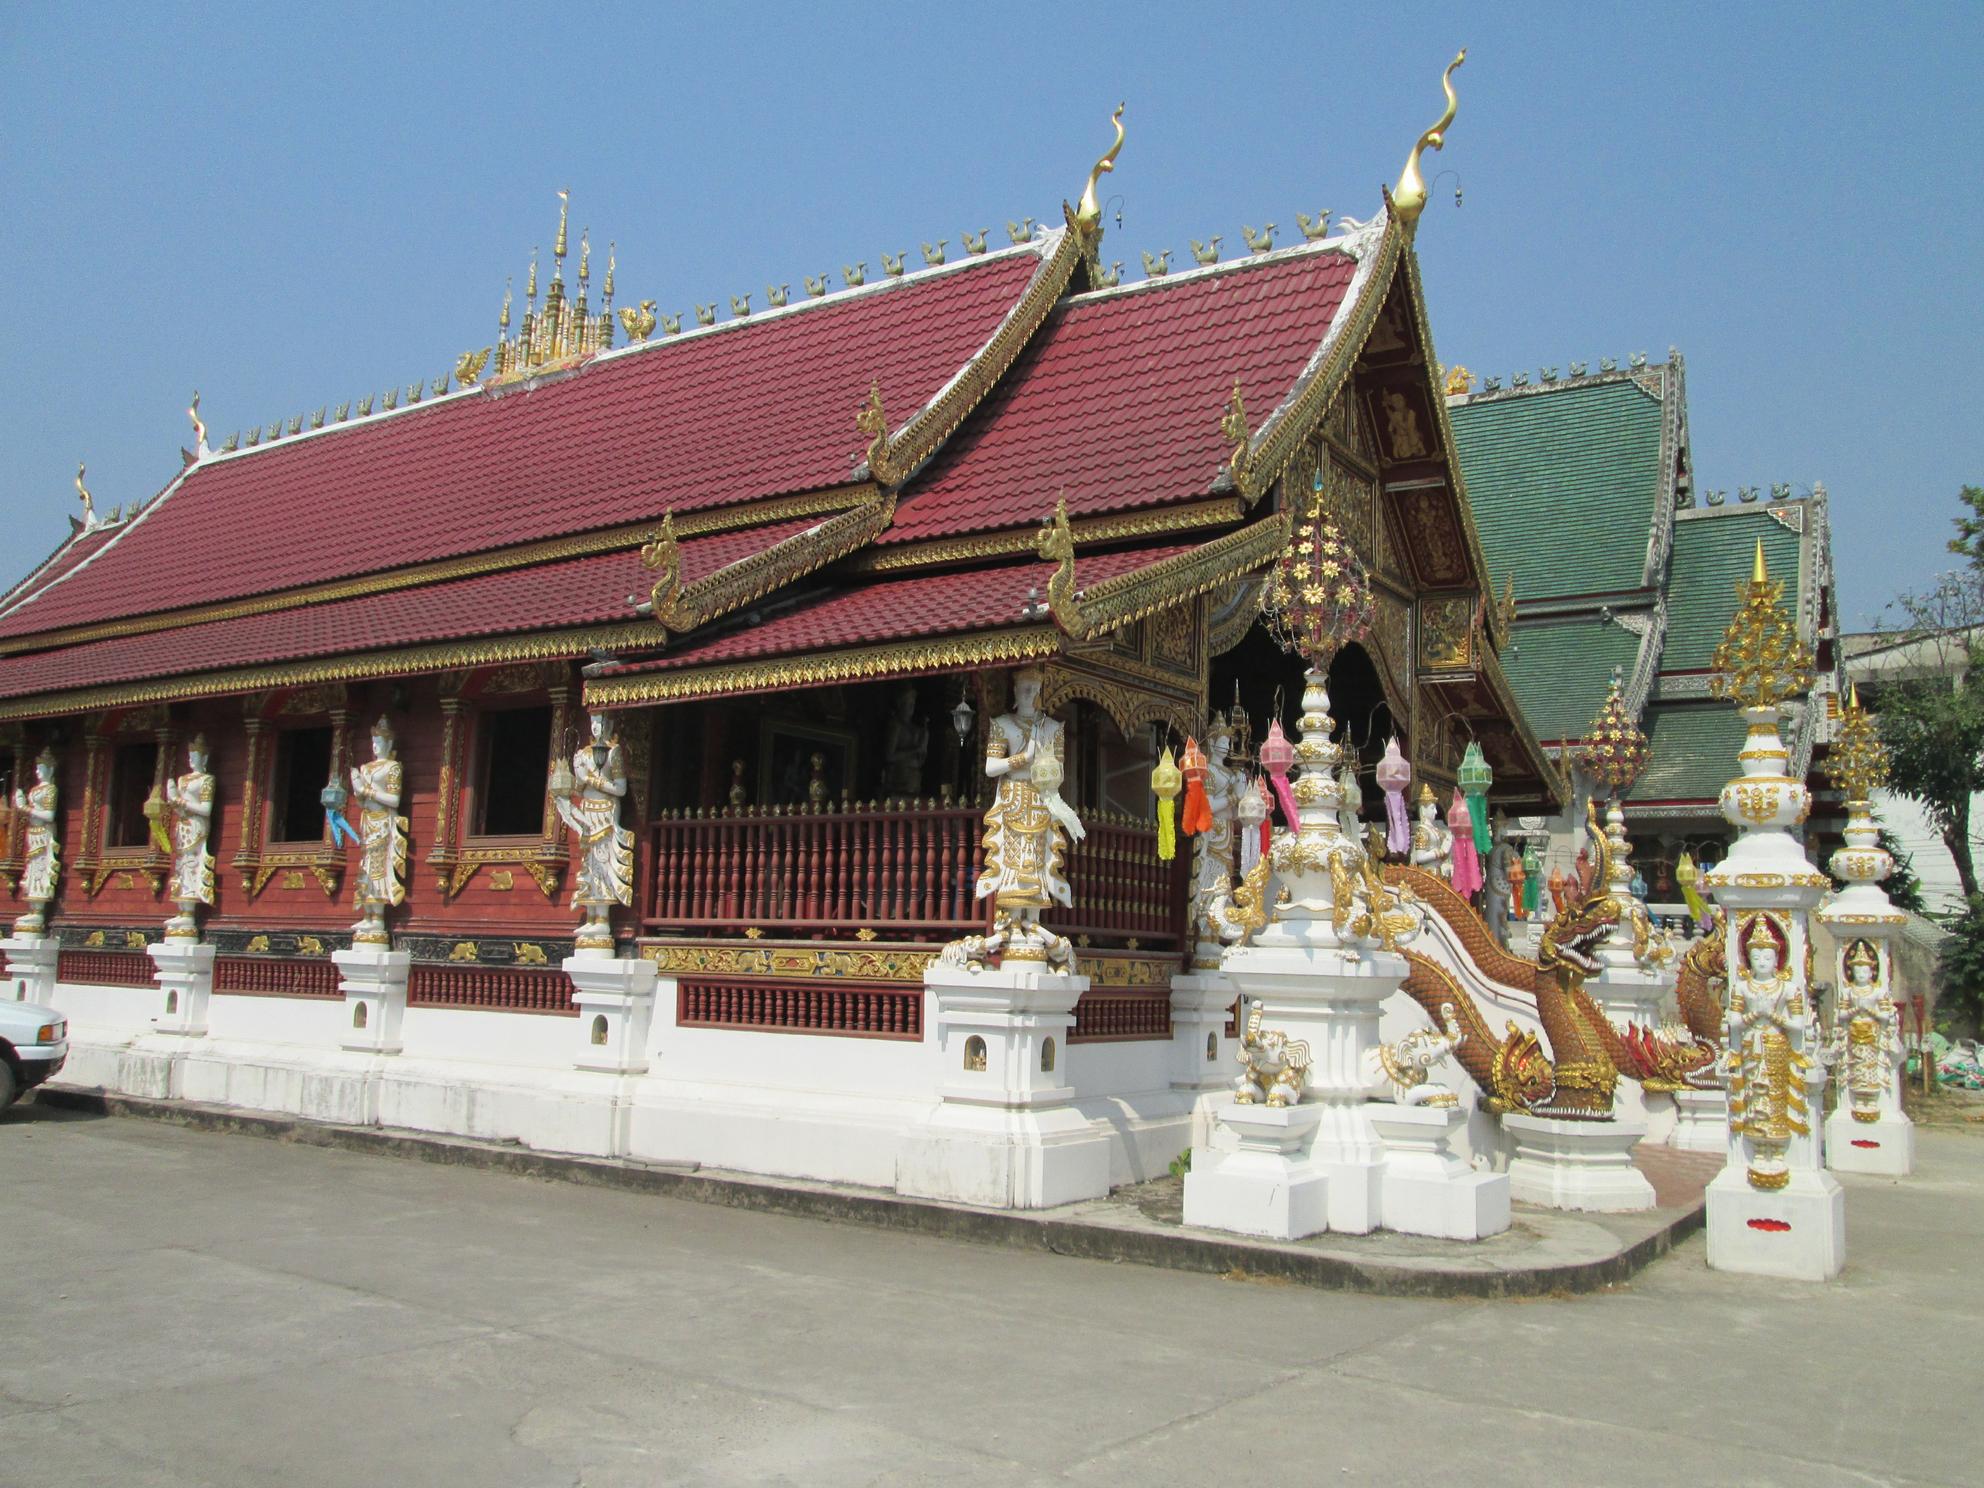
<point>1578,1074</point>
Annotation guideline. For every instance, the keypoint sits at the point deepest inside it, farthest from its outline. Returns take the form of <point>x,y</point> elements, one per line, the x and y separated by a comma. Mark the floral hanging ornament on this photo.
<point>1614,752</point>
<point>1166,782</point>
<point>1394,775</point>
<point>1318,594</point>
<point>1277,754</point>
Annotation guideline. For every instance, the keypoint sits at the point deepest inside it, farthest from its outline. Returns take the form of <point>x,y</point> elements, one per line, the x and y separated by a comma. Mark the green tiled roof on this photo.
<point>1694,751</point>
<point>1563,485</point>
<point>1711,556</point>
<point>1560,671</point>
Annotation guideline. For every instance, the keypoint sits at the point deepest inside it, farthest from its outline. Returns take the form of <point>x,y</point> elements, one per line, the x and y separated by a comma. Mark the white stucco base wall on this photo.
<point>825,1108</point>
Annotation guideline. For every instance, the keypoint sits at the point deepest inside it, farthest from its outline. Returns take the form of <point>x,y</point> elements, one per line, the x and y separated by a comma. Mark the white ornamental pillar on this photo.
<point>184,971</point>
<point>1868,1131</point>
<point>1774,1209</point>
<point>30,962</point>
<point>1005,1131</point>
<point>1318,974</point>
<point>615,999</point>
<point>373,981</point>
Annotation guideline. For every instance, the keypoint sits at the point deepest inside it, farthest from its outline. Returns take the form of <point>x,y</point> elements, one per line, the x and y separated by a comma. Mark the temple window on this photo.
<point>132,769</point>
<point>513,755</point>
<point>303,767</point>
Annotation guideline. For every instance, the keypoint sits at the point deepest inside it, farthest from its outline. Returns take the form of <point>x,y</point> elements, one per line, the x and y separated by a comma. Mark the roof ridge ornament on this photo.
<point>90,522</point>
<point>1409,196</point>
<point>1087,217</point>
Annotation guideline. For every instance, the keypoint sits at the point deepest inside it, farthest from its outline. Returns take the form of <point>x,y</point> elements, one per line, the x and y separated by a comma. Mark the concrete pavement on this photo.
<point>181,1307</point>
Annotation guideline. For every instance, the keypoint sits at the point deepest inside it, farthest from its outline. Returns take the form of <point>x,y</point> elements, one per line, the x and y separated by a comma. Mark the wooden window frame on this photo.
<point>98,862</point>
<point>456,856</point>
<point>266,716</point>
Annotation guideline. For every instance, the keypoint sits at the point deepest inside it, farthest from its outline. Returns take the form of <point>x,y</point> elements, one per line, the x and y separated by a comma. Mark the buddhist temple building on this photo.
<point>1606,556</point>
<point>723,739</point>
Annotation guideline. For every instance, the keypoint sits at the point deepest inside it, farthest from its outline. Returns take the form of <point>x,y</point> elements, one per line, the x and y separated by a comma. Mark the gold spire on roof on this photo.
<point>1409,196</point>
<point>564,329</point>
<point>1760,661</point>
<point>89,502</point>
<point>1088,216</point>
<point>1858,760</point>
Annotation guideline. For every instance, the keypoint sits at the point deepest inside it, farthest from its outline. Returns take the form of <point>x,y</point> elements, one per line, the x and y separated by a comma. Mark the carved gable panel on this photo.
<point>1446,633</point>
<point>1432,536</point>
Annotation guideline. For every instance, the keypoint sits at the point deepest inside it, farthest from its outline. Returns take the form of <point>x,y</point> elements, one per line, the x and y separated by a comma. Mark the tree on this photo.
<point>1904,889</point>
<point>1969,540</point>
<point>1930,720</point>
<point>1960,971</point>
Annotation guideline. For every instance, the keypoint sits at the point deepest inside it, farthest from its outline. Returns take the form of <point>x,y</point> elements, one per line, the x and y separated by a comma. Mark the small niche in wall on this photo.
<point>599,1029</point>
<point>1212,1048</point>
<point>974,1054</point>
<point>1047,1056</point>
<point>358,1016</point>
<point>172,1002</point>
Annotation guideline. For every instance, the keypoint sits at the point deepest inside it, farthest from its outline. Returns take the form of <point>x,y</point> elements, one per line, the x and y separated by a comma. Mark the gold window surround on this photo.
<point>266,715</point>
<point>98,862</point>
<point>456,856</point>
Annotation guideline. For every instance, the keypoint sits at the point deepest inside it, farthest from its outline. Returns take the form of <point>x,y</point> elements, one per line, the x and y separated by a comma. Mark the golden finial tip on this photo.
<point>1853,695</point>
<point>1088,216</point>
<point>1758,573</point>
<point>1409,196</point>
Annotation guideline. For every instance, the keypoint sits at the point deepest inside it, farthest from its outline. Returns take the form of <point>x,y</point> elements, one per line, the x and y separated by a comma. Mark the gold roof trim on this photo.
<point>1259,463</point>
<point>812,669</point>
<point>893,458</point>
<point>439,657</point>
<point>682,607</point>
<point>937,551</point>
<point>1127,597</point>
<point>624,537</point>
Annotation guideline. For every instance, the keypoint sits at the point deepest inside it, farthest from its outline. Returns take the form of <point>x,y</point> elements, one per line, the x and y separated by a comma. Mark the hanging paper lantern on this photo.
<point>1318,594</point>
<point>1251,814</point>
<point>1467,862</point>
<point>1198,810</point>
<point>1277,754</point>
<point>1614,752</point>
<point>1475,778</point>
<point>1394,775</point>
<point>1518,884</point>
<point>1166,782</point>
<point>1686,874</point>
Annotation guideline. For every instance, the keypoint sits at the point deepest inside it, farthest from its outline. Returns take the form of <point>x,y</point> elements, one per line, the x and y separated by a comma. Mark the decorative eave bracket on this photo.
<point>1115,602</point>
<point>682,607</point>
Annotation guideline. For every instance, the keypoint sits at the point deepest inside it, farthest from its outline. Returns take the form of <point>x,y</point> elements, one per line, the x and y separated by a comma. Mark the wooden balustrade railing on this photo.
<point>1113,1015</point>
<point>907,868</point>
<point>275,976</point>
<point>104,968</point>
<point>883,1010</point>
<point>493,988</point>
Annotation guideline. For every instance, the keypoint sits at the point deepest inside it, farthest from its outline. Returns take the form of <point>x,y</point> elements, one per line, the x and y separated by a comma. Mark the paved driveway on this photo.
<point>189,1308</point>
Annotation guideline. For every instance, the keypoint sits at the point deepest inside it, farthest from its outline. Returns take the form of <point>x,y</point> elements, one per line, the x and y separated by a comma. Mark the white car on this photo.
<point>34,1043</point>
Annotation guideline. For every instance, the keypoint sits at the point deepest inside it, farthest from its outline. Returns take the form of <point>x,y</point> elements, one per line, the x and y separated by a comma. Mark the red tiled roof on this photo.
<point>74,549</point>
<point>750,410</point>
<point>1118,397</point>
<point>897,609</point>
<point>591,590</point>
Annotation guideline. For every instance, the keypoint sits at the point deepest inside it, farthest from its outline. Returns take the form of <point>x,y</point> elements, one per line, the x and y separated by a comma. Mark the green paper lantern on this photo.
<point>1475,778</point>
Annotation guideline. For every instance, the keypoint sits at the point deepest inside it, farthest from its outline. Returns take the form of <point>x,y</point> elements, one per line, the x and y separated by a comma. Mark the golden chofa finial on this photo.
<point>1409,196</point>
<point>199,428</point>
<point>89,502</point>
<point>585,256</point>
<point>1088,216</point>
<point>1761,660</point>
<point>558,248</point>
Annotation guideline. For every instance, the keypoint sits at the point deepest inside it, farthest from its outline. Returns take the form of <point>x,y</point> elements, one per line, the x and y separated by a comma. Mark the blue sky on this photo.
<point>287,207</point>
